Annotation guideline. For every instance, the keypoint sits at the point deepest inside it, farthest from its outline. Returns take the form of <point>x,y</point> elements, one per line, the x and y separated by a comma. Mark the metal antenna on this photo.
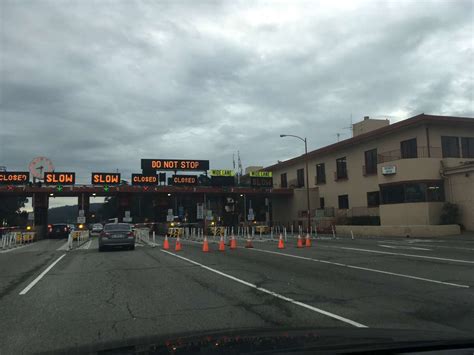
<point>351,128</point>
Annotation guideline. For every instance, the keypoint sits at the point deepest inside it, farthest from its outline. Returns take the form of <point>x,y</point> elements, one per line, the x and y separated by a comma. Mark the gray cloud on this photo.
<point>97,85</point>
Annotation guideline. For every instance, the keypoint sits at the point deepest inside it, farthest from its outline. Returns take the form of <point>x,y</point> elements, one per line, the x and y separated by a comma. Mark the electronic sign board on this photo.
<point>222,173</point>
<point>175,164</point>
<point>105,179</point>
<point>14,177</point>
<point>261,182</point>
<point>141,179</point>
<point>54,178</point>
<point>184,180</point>
<point>261,174</point>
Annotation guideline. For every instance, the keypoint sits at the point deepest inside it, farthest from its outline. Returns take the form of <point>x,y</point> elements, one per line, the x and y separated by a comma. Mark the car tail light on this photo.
<point>65,229</point>
<point>105,234</point>
<point>130,234</point>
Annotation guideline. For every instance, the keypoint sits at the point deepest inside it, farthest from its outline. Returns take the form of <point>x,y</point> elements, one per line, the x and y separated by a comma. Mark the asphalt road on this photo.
<point>90,298</point>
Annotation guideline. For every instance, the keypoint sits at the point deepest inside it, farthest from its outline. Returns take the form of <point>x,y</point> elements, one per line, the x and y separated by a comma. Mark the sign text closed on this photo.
<point>14,177</point>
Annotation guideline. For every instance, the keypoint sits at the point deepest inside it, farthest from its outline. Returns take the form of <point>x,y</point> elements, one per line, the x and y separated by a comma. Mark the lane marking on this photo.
<point>403,247</point>
<point>409,255</point>
<point>40,276</point>
<point>87,245</point>
<point>65,246</point>
<point>15,248</point>
<point>429,246</point>
<point>274,294</point>
<point>361,268</point>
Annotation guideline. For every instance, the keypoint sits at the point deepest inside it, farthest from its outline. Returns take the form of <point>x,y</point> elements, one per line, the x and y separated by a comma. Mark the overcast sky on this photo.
<point>97,85</point>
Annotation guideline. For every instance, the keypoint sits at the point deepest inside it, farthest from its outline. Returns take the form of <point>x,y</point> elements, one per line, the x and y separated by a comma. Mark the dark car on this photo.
<point>58,230</point>
<point>117,235</point>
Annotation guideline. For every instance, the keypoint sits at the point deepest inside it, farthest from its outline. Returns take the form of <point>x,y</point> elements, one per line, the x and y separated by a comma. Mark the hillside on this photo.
<point>68,214</point>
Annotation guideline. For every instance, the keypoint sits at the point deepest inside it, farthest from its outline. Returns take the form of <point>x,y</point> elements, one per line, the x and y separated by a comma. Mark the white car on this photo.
<point>97,228</point>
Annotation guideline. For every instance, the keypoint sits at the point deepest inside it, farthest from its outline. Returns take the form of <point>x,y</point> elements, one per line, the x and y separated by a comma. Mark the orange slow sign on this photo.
<point>105,178</point>
<point>14,177</point>
<point>53,178</point>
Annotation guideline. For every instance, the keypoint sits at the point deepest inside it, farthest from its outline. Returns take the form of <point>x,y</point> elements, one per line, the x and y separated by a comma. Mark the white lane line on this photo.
<point>40,276</point>
<point>16,248</point>
<point>402,247</point>
<point>362,268</point>
<point>65,246</point>
<point>87,245</point>
<point>274,294</point>
<point>409,255</point>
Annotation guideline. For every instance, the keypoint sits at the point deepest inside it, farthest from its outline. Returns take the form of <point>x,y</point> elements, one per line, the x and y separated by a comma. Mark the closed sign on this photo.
<point>14,177</point>
<point>178,180</point>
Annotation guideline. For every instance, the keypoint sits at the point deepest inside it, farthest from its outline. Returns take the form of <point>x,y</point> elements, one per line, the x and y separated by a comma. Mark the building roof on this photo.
<point>362,138</point>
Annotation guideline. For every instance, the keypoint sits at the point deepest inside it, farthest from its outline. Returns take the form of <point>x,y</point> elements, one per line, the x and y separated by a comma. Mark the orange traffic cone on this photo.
<point>221,244</point>
<point>177,246</point>
<point>205,245</point>
<point>249,243</point>
<point>233,242</point>
<point>300,242</point>
<point>308,240</point>
<point>166,244</point>
<point>281,245</point>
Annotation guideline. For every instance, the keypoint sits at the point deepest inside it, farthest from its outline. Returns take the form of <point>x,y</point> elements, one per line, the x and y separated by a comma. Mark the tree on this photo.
<point>10,210</point>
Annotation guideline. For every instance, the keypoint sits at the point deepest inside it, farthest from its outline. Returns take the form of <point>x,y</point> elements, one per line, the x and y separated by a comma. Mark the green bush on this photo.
<point>449,213</point>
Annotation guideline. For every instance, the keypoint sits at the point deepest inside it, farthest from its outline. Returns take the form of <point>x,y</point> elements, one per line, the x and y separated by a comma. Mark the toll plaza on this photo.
<point>197,196</point>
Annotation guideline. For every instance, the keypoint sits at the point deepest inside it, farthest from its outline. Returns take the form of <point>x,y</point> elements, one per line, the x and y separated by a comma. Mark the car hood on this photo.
<point>301,340</point>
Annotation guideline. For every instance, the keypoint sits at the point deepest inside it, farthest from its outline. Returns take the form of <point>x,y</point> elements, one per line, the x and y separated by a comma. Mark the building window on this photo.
<point>413,192</point>
<point>467,144</point>
<point>408,149</point>
<point>435,192</point>
<point>341,167</point>
<point>321,202</point>
<point>283,180</point>
<point>370,162</point>
<point>373,199</point>
<point>392,194</point>
<point>300,177</point>
<point>343,202</point>
<point>450,147</point>
<point>320,174</point>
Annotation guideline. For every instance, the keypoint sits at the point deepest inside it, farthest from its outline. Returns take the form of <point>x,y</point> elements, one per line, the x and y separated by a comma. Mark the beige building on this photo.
<point>400,174</point>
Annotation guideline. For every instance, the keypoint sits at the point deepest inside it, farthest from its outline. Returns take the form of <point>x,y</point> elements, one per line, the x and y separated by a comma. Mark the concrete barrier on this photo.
<point>399,231</point>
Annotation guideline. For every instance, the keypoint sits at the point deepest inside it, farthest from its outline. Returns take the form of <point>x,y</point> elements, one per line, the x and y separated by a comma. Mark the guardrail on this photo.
<point>16,239</point>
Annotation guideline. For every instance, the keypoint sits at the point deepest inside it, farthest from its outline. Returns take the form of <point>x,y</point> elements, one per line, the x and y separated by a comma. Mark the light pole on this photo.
<point>307,175</point>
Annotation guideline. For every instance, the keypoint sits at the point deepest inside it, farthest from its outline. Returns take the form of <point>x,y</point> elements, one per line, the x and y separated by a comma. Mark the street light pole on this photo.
<point>307,176</point>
